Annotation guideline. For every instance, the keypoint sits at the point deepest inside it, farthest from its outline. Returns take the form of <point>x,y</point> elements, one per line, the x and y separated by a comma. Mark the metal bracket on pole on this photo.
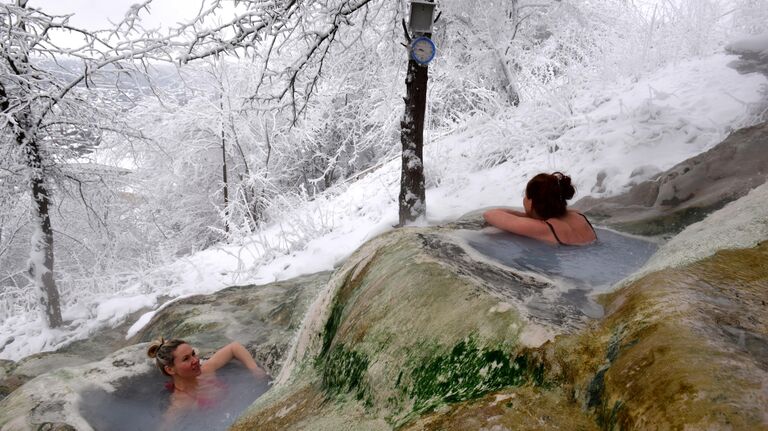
<point>422,17</point>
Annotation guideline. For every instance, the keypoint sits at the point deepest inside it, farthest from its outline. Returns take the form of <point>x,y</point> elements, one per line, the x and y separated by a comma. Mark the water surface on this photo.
<point>140,402</point>
<point>580,270</point>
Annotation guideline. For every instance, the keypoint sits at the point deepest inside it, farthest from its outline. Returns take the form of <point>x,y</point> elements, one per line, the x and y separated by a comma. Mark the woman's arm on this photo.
<point>513,212</point>
<point>227,353</point>
<point>521,225</point>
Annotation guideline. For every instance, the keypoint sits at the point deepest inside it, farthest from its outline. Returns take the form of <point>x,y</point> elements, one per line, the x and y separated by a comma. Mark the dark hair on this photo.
<point>548,193</point>
<point>161,350</point>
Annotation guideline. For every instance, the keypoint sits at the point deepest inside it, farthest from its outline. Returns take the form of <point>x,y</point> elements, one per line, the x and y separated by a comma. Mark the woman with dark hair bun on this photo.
<point>546,217</point>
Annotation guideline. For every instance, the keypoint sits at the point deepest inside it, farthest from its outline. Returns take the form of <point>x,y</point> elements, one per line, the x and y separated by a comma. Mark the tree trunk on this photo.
<point>41,255</point>
<point>412,200</point>
<point>260,204</point>
<point>510,86</point>
<point>224,167</point>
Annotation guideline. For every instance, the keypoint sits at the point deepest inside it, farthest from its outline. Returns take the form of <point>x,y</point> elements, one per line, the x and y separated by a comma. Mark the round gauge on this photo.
<point>422,50</point>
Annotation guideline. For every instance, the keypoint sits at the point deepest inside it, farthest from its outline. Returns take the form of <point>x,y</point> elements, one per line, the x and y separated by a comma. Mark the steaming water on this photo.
<point>140,402</point>
<point>583,269</point>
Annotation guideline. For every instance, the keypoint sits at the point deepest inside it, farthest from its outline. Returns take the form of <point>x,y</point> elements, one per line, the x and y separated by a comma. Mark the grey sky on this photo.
<point>94,14</point>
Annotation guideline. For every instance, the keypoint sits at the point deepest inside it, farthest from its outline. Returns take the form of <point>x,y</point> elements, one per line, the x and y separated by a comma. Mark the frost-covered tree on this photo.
<point>321,108</point>
<point>188,169</point>
<point>50,114</point>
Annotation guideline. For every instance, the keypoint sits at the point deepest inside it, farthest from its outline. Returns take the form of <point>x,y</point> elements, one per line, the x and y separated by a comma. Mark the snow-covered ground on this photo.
<point>623,131</point>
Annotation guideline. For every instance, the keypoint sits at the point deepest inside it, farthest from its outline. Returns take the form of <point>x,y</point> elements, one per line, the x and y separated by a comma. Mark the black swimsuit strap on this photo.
<point>590,224</point>
<point>558,239</point>
<point>553,233</point>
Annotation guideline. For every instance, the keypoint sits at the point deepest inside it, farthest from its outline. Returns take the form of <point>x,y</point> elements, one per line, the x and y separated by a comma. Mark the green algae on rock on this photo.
<point>681,347</point>
<point>407,325</point>
<point>343,371</point>
<point>467,372</point>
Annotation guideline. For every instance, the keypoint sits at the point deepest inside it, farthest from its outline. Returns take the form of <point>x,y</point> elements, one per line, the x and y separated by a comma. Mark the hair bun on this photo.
<point>154,347</point>
<point>567,187</point>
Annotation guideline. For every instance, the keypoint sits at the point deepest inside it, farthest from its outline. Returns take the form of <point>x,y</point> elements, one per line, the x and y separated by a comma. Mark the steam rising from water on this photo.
<point>140,402</point>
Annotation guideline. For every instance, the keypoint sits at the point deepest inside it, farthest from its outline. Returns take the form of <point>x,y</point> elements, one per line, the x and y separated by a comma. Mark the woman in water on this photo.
<point>546,217</point>
<point>194,385</point>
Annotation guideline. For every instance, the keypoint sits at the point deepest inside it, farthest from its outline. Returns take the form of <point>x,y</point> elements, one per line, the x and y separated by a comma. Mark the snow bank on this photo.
<point>624,132</point>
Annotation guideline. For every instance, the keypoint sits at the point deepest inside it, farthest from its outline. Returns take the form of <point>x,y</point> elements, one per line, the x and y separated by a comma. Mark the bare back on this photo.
<point>572,228</point>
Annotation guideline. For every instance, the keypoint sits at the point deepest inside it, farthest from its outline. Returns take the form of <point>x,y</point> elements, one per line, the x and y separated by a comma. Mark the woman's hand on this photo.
<point>227,353</point>
<point>259,373</point>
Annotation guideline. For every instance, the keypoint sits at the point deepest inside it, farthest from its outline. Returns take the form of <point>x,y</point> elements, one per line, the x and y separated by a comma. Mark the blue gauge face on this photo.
<point>422,50</point>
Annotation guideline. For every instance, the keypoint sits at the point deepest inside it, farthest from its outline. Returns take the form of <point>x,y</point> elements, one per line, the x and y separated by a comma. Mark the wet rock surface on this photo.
<point>542,304</point>
<point>262,318</point>
<point>412,334</point>
<point>690,190</point>
<point>50,400</point>
<point>410,323</point>
<point>94,348</point>
<point>753,55</point>
<point>741,224</point>
<point>514,409</point>
<point>682,348</point>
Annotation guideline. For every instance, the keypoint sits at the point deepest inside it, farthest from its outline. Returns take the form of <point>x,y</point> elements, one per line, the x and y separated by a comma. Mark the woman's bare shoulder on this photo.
<point>574,228</point>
